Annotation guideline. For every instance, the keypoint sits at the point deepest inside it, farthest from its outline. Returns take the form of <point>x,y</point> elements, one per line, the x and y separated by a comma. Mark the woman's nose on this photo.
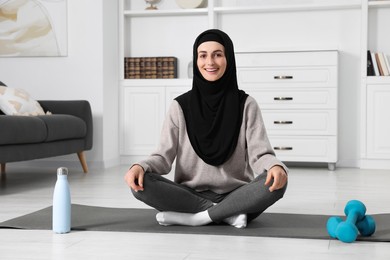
<point>210,61</point>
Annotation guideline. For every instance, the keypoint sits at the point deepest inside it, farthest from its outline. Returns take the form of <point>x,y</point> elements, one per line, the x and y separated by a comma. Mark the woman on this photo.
<point>216,134</point>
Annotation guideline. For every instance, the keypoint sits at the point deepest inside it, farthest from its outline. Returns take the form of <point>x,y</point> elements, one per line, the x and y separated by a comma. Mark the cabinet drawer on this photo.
<point>287,59</point>
<point>288,76</point>
<point>310,149</point>
<point>285,98</point>
<point>300,122</point>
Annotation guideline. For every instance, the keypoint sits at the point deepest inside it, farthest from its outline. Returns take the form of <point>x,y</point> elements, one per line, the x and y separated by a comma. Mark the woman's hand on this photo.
<point>135,178</point>
<point>279,175</point>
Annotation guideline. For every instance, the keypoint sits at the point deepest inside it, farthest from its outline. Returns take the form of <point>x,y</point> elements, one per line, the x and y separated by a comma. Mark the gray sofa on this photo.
<point>68,130</point>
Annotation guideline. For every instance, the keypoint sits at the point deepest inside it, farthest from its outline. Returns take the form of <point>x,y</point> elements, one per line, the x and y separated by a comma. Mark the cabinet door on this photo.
<point>378,121</point>
<point>143,115</point>
<point>173,92</point>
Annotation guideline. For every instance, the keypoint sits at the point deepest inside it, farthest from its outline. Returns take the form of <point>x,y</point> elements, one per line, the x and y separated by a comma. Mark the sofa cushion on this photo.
<point>62,127</point>
<point>21,130</point>
<point>14,101</point>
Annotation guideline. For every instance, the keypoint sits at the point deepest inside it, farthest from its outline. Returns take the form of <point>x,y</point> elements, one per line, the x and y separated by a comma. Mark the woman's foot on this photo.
<point>239,221</point>
<point>167,218</point>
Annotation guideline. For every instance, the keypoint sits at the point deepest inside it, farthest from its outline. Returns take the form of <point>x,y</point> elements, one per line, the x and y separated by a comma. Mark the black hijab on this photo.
<point>213,110</point>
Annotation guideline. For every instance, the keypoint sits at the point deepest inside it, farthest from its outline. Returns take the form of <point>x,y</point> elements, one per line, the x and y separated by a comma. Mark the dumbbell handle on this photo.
<point>352,217</point>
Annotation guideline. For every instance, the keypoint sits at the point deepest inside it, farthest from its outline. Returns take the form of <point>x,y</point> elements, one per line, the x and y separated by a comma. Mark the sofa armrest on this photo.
<point>79,108</point>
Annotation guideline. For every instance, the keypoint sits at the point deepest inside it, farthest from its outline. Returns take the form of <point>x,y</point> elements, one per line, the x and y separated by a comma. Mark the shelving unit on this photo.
<point>133,14</point>
<point>153,96</point>
<point>375,90</point>
<point>170,31</point>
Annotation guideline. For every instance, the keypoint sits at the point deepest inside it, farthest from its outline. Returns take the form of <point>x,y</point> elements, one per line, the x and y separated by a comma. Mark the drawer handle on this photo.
<point>283,98</point>
<point>283,77</point>
<point>283,122</point>
<point>283,148</point>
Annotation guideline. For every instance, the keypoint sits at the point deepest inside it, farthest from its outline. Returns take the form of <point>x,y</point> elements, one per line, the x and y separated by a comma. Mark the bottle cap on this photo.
<point>62,171</point>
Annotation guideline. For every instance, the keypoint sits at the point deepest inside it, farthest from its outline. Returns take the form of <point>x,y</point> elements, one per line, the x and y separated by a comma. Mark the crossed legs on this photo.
<point>180,205</point>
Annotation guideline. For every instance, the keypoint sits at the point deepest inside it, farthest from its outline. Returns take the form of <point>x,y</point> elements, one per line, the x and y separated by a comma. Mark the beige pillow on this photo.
<point>16,101</point>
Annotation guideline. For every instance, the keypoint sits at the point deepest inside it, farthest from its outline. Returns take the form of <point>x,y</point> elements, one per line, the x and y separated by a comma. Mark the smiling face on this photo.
<point>211,60</point>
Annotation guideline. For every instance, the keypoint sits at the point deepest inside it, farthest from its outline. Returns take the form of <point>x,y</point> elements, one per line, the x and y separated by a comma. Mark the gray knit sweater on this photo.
<point>253,154</point>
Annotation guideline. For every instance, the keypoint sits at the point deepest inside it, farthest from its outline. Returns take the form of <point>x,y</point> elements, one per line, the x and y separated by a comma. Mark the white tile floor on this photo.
<point>312,191</point>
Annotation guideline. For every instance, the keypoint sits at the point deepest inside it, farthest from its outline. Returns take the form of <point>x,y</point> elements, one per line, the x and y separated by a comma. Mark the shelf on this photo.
<point>378,80</point>
<point>378,4</point>
<point>287,8</point>
<point>250,9</point>
<point>289,48</point>
<point>173,12</point>
<point>156,82</point>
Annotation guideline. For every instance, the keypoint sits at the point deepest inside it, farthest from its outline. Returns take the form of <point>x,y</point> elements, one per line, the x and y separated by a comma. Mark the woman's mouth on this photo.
<point>211,70</point>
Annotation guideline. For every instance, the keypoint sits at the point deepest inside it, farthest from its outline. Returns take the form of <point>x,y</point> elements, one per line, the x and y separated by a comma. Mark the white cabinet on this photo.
<point>142,119</point>
<point>297,93</point>
<point>375,90</point>
<point>144,106</point>
<point>378,121</point>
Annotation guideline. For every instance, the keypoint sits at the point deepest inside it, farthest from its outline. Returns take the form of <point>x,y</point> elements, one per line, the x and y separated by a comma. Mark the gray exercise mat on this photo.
<point>143,220</point>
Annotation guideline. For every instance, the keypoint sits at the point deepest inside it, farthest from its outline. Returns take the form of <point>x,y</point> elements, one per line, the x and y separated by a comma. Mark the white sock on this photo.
<point>238,221</point>
<point>167,218</point>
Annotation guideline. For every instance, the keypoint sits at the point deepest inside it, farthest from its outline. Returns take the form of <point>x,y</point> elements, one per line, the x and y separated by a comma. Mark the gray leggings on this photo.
<point>251,199</point>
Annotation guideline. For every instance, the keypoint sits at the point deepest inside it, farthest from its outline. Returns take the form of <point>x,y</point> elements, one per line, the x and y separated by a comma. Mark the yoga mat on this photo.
<point>90,218</point>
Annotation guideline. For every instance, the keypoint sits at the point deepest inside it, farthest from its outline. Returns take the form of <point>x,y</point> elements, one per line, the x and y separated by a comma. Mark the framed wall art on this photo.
<point>33,28</point>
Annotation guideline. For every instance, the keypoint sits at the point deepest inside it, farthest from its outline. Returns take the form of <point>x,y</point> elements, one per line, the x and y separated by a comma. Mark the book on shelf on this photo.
<point>377,64</point>
<point>382,60</point>
<point>370,65</point>
<point>150,67</point>
<point>387,63</point>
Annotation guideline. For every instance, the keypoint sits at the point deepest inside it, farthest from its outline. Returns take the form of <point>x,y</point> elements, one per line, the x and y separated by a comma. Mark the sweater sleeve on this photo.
<point>261,156</point>
<point>161,160</point>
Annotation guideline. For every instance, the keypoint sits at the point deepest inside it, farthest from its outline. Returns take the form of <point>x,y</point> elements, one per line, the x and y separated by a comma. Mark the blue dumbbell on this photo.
<point>348,230</point>
<point>366,226</point>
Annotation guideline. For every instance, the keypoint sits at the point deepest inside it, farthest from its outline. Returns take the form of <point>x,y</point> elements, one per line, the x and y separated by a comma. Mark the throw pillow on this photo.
<point>15,101</point>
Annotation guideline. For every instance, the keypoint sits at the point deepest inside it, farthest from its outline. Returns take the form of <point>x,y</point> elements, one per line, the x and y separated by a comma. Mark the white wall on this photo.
<point>110,81</point>
<point>88,72</point>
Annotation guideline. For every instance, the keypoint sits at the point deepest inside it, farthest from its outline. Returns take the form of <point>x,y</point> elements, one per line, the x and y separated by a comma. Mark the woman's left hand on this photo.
<point>278,175</point>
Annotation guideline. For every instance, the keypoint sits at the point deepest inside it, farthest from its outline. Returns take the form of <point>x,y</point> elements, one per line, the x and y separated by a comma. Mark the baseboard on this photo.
<point>347,163</point>
<point>73,165</point>
<point>108,163</point>
<point>376,164</point>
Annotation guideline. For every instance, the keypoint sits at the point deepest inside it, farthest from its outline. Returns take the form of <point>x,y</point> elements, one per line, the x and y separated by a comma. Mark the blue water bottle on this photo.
<point>61,203</point>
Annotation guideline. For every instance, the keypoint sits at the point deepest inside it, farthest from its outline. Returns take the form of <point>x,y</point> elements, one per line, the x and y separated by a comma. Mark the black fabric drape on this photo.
<point>213,110</point>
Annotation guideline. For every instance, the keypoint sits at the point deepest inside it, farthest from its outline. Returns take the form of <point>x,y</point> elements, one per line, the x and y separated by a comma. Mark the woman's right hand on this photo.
<point>135,178</point>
